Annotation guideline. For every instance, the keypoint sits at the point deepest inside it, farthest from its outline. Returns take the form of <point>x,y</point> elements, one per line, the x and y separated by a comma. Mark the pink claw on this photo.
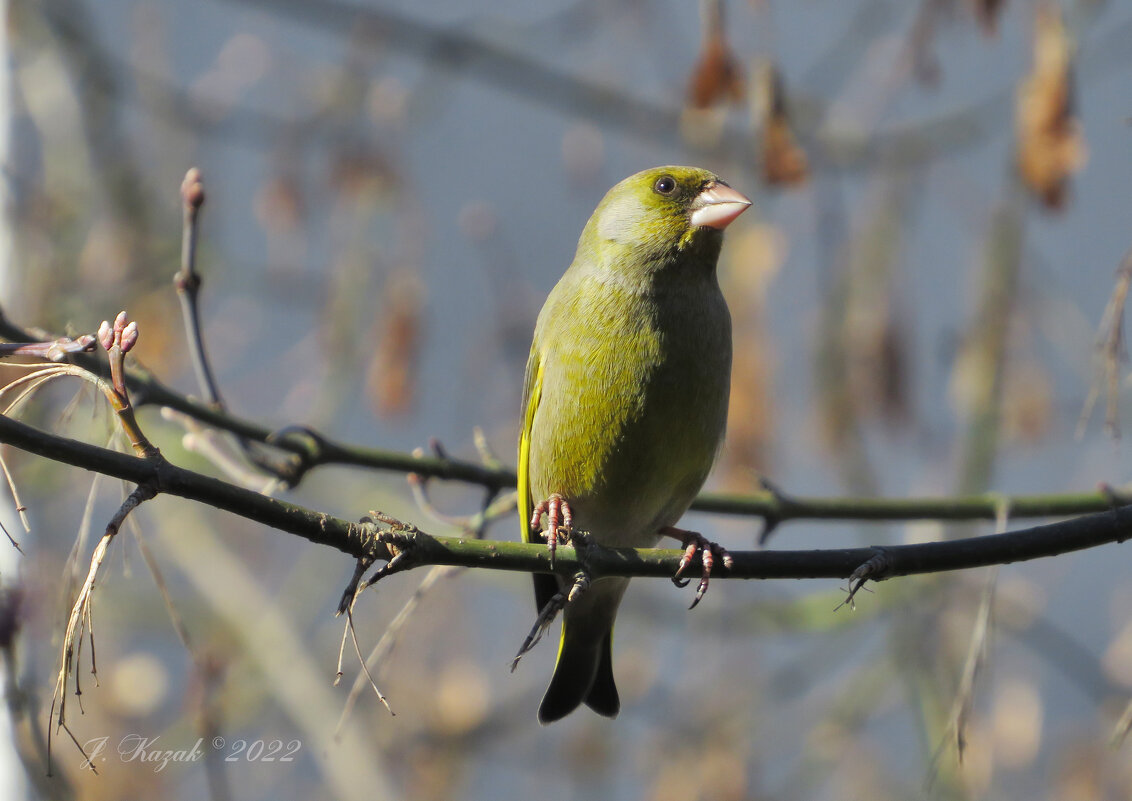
<point>559,521</point>
<point>694,541</point>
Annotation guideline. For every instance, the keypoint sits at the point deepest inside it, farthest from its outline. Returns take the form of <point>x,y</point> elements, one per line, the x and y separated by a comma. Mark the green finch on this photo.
<point>625,401</point>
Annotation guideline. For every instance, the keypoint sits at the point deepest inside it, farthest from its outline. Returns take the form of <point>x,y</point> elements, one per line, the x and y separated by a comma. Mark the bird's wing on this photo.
<point>532,394</point>
<point>545,585</point>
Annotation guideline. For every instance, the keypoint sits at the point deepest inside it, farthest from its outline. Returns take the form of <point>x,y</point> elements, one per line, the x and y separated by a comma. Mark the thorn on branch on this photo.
<point>773,517</point>
<point>1115,497</point>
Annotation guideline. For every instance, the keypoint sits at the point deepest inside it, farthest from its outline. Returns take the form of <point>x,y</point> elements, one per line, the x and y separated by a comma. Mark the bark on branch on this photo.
<point>365,541</point>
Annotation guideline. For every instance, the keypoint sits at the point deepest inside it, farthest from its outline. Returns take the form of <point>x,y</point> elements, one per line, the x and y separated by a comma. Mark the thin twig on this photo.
<point>362,660</point>
<point>388,641</point>
<point>286,469</point>
<point>213,446</point>
<point>55,350</point>
<point>1123,726</point>
<point>175,619</point>
<point>1111,354</point>
<point>493,509</point>
<point>80,616</point>
<point>187,282</point>
<point>976,657</point>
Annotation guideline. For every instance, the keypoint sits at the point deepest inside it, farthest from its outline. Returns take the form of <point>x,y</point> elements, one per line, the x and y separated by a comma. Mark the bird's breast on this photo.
<point>633,408</point>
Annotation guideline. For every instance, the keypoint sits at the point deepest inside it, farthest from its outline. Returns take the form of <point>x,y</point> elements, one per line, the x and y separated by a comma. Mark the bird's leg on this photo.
<point>559,521</point>
<point>546,616</point>
<point>556,604</point>
<point>694,541</point>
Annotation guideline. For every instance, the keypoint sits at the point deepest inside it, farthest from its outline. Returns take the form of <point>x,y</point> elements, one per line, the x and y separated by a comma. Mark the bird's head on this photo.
<point>660,215</point>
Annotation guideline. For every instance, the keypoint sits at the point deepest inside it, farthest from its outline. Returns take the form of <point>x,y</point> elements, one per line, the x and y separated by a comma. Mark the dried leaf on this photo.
<point>1051,146</point>
<point>279,205</point>
<point>1027,402</point>
<point>987,12</point>
<point>391,377</point>
<point>783,162</point>
<point>362,174</point>
<point>717,76</point>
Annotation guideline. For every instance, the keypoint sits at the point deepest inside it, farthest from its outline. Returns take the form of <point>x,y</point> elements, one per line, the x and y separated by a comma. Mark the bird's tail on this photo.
<point>584,670</point>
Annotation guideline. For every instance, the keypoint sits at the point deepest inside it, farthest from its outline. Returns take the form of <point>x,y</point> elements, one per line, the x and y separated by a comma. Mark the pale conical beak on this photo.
<point>717,205</point>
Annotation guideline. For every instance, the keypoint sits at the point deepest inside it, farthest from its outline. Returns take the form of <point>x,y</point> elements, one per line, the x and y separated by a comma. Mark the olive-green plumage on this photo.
<point>626,394</point>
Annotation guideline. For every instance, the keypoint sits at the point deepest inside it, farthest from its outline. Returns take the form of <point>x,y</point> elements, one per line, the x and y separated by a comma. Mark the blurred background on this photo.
<point>941,205</point>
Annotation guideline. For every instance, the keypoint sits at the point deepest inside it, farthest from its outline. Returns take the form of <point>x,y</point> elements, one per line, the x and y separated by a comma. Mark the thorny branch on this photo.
<point>360,541</point>
<point>311,449</point>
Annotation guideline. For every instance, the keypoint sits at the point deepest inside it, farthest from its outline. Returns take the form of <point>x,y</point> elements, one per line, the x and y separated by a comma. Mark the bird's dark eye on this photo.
<point>665,185</point>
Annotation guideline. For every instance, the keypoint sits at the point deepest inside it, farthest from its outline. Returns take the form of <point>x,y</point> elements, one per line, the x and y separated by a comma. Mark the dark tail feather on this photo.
<point>573,676</point>
<point>581,675</point>
<point>584,670</point>
<point>603,697</point>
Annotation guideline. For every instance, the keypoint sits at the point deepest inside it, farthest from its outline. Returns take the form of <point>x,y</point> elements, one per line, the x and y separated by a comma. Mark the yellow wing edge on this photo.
<point>533,396</point>
<point>525,501</point>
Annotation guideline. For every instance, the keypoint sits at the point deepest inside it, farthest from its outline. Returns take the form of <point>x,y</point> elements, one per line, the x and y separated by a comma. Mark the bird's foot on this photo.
<point>547,614</point>
<point>559,521</point>
<point>709,551</point>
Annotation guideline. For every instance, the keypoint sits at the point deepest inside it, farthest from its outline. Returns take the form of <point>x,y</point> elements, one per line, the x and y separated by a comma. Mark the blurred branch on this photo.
<point>984,361</point>
<point>118,174</point>
<point>919,142</point>
<point>416,548</point>
<point>1110,354</point>
<point>476,58</point>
